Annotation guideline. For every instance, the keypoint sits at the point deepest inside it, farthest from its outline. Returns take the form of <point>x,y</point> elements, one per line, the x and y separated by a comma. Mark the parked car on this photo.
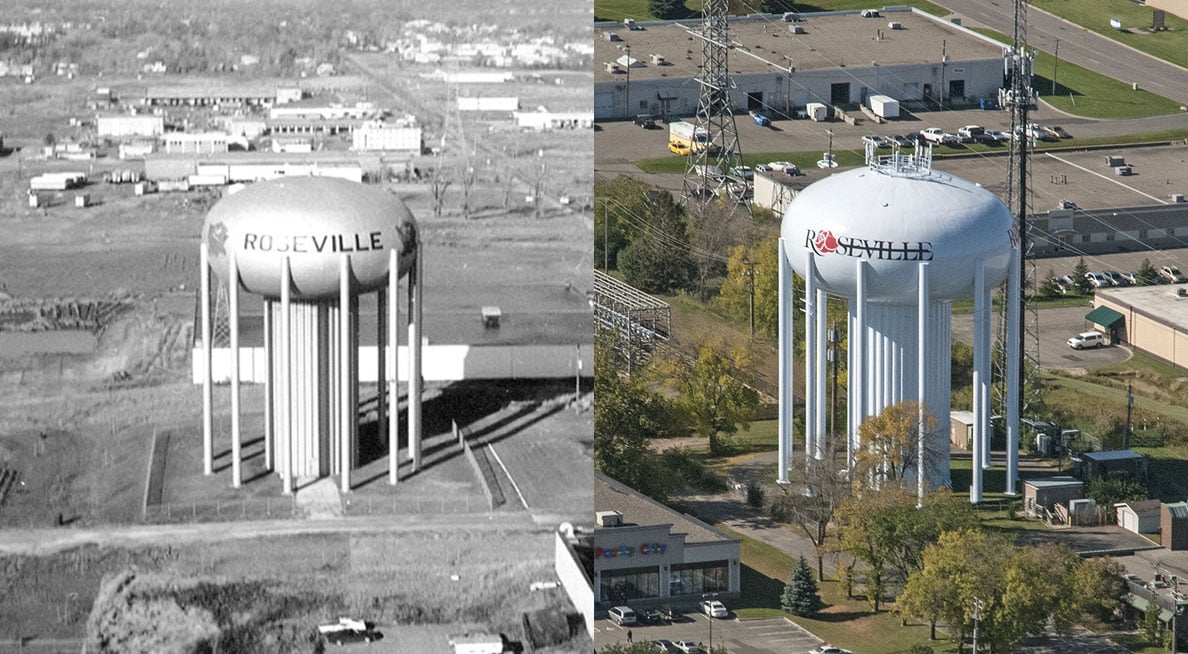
<point>622,615</point>
<point>1087,339</point>
<point>971,133</point>
<point>939,136</point>
<point>829,649</point>
<point>1116,278</point>
<point>714,609</point>
<point>652,616</point>
<point>786,167</point>
<point>997,136</point>
<point>688,647</point>
<point>1172,274</point>
<point>677,148</point>
<point>1129,277</point>
<point>1067,282</point>
<point>1097,280</point>
<point>870,13</point>
<point>745,172</point>
<point>876,140</point>
<point>666,646</point>
<point>646,121</point>
<point>349,630</point>
<point>901,140</point>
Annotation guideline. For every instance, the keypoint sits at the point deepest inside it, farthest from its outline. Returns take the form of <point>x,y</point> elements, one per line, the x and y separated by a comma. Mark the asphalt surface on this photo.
<point>769,636</point>
<point>1079,46</point>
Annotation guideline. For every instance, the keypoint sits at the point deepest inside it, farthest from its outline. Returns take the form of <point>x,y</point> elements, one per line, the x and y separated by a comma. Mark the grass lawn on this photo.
<point>1095,15</point>
<point>638,9</point>
<point>1083,92</point>
<point>847,623</point>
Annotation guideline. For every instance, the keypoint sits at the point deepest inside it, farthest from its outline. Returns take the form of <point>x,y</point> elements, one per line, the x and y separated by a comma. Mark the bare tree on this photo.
<point>811,509</point>
<point>468,179</point>
<point>712,229</point>
<point>438,184</point>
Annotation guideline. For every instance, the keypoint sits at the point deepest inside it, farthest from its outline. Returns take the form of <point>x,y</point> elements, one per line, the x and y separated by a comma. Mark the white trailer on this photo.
<point>884,106</point>
<point>817,111</point>
<point>478,644</point>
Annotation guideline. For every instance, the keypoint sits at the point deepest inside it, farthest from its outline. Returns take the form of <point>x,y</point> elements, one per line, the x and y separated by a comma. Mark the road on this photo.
<point>48,541</point>
<point>1079,46</point>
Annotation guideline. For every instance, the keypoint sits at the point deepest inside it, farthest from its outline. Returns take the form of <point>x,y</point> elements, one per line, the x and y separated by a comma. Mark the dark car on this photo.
<point>345,636</point>
<point>646,121</point>
<point>653,616</point>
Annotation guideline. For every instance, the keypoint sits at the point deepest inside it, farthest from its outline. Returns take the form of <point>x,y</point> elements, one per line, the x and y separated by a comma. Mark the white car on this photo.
<point>939,136</point>
<point>876,140</point>
<point>622,615</point>
<point>996,135</point>
<point>1098,280</point>
<point>688,647</point>
<point>829,649</point>
<point>1087,339</point>
<point>714,609</point>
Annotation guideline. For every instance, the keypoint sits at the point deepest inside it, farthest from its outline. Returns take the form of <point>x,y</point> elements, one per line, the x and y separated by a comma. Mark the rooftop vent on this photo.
<point>608,519</point>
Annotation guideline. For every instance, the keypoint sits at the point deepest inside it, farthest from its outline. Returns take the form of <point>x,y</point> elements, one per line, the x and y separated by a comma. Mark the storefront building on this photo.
<point>645,552</point>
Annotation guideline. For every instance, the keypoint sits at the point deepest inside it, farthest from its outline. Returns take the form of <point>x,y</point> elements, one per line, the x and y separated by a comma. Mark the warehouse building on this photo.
<point>646,552</point>
<point>395,136</point>
<point>835,58</point>
<point>129,125</point>
<point>1153,319</point>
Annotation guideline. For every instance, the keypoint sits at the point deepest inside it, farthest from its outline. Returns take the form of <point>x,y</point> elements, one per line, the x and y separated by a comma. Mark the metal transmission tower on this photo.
<point>708,173</point>
<point>1020,324</point>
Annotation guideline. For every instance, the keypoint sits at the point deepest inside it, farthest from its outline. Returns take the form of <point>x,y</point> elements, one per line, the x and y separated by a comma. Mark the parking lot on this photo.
<point>769,636</point>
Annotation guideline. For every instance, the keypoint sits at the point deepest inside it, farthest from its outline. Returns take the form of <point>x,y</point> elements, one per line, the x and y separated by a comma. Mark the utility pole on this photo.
<point>977,615</point>
<point>1129,408</point>
<point>940,93</point>
<point>1054,65</point>
<point>605,235</point>
<point>627,99</point>
<point>751,285</point>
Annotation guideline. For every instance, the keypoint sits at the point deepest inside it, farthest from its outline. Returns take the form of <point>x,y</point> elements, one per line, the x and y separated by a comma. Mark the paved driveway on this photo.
<point>770,636</point>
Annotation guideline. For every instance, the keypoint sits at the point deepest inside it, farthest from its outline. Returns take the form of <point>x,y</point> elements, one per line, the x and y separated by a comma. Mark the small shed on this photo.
<point>961,424</point>
<point>1102,464</point>
<point>1173,525</point>
<point>1040,496</point>
<point>1140,517</point>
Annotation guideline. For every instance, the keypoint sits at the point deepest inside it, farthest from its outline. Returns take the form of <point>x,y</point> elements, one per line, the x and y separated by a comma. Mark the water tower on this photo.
<point>900,242</point>
<point>309,246</point>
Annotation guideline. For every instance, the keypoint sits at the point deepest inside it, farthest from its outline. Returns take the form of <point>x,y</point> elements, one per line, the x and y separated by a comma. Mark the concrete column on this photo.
<point>921,378</point>
<point>1014,380</point>
<point>786,350</point>
<point>286,413</point>
<point>207,356</point>
<point>393,351</point>
<point>979,376</point>
<point>233,310</point>
<point>347,414</point>
<point>269,371</point>
<point>415,384</point>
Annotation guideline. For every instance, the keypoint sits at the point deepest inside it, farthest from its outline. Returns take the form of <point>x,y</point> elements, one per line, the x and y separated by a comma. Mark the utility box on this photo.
<point>1115,160</point>
<point>491,317</point>
<point>82,201</point>
<point>884,106</point>
<point>1123,171</point>
<point>816,111</point>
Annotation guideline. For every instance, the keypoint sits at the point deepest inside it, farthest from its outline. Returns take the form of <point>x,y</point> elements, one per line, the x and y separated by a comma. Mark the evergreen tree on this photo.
<point>667,9</point>
<point>1080,282</point>
<point>1146,274</point>
<point>1050,287</point>
<point>800,594</point>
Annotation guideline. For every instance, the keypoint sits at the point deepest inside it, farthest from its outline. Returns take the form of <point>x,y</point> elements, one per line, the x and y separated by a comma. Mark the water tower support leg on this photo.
<point>394,353</point>
<point>415,383</point>
<point>810,363</point>
<point>819,411</point>
<point>286,412</point>
<point>921,383</point>
<point>346,415</point>
<point>269,371</point>
<point>861,367</point>
<point>786,311</point>
<point>207,381</point>
<point>381,362</point>
<point>233,310</point>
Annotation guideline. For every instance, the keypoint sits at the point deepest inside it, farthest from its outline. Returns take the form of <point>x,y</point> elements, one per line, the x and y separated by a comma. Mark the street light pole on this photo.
<point>1054,66</point>
<point>627,100</point>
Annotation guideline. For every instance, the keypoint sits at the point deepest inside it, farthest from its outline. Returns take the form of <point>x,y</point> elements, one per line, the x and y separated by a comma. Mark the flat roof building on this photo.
<point>838,58</point>
<point>1155,319</point>
<point>645,551</point>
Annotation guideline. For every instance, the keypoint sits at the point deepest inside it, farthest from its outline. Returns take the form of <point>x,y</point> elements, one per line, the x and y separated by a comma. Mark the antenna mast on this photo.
<point>708,171</point>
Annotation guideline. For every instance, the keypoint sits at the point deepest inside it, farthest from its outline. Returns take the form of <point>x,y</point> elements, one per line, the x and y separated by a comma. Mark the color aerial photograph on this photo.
<point>296,327</point>
<point>891,350</point>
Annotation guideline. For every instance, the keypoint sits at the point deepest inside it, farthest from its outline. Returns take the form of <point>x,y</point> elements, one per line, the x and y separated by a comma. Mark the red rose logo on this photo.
<point>825,242</point>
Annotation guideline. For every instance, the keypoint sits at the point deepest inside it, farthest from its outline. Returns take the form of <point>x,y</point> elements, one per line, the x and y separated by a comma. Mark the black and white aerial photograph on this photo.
<point>296,328</point>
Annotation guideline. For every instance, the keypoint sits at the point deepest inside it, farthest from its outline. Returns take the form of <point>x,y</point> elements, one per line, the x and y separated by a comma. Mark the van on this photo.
<point>1087,339</point>
<point>622,615</point>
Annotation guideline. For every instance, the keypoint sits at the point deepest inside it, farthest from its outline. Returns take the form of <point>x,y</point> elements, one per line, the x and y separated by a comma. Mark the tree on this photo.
<point>1099,588</point>
<point>1050,287</point>
<point>657,259</point>
<point>800,595</point>
<point>1080,282</point>
<point>890,444</point>
<point>713,227</point>
<point>626,415</point>
<point>667,9</point>
<point>438,183</point>
<point>1146,274</point>
<point>619,203</point>
<point>1110,490</point>
<point>735,295</point>
<point>711,392</point>
<point>812,512</point>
